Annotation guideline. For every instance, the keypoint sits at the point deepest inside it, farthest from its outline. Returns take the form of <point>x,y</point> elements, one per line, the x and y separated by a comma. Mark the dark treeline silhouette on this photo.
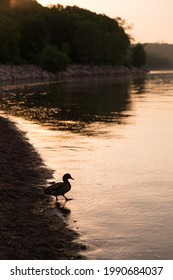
<point>55,36</point>
<point>159,55</point>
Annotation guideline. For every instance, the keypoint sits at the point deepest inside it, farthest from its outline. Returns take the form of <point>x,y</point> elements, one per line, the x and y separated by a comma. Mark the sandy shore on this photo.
<point>28,230</point>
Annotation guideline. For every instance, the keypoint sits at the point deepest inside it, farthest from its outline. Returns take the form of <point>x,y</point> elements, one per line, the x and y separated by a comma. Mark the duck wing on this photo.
<point>57,189</point>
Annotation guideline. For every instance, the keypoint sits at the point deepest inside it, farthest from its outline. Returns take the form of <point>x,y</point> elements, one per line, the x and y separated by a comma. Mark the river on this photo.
<point>114,136</point>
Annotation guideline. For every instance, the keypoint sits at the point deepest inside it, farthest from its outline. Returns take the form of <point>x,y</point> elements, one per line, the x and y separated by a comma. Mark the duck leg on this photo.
<point>66,198</point>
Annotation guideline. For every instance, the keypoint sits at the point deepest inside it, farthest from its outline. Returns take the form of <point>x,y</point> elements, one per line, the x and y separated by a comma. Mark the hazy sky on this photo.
<point>152,19</point>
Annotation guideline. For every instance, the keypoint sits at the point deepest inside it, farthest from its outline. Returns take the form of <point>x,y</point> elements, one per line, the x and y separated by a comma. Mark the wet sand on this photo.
<point>28,229</point>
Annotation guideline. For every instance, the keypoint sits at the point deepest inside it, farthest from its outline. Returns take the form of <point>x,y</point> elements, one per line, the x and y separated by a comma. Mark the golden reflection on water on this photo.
<point>122,194</point>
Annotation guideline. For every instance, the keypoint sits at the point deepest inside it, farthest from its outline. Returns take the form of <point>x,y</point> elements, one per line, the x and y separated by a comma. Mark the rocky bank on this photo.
<point>13,73</point>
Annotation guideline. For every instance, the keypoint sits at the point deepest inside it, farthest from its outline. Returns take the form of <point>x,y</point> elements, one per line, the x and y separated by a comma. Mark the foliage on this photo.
<point>80,35</point>
<point>139,57</point>
<point>52,59</point>
<point>159,55</point>
<point>157,62</point>
<point>34,37</point>
<point>127,27</point>
<point>9,40</point>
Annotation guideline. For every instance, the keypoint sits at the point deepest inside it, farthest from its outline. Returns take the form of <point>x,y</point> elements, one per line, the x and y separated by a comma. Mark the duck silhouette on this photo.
<point>60,188</point>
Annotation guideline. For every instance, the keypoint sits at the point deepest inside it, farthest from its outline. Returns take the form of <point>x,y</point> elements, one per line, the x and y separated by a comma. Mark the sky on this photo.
<point>152,20</point>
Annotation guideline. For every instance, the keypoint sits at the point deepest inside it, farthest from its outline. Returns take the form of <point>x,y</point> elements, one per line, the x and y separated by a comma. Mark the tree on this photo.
<point>52,59</point>
<point>100,40</point>
<point>9,40</point>
<point>84,36</point>
<point>87,42</point>
<point>155,61</point>
<point>34,36</point>
<point>139,57</point>
<point>126,27</point>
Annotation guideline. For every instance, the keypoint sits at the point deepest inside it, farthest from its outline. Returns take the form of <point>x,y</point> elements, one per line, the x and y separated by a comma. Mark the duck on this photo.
<point>60,188</point>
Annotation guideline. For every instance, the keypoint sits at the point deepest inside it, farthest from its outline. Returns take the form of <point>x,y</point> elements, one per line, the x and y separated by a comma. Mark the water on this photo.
<point>115,138</point>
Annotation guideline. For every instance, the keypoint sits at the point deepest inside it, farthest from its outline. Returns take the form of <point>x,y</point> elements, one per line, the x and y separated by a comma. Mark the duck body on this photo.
<point>60,188</point>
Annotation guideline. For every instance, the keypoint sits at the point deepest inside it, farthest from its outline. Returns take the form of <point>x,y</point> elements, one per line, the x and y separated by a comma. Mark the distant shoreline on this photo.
<point>14,73</point>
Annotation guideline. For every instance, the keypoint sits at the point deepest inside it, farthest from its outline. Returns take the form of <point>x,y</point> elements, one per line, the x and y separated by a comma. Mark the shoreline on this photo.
<point>14,73</point>
<point>30,228</point>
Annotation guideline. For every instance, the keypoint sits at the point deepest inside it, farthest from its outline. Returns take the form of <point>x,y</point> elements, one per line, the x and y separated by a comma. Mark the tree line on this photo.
<point>56,36</point>
<point>159,55</point>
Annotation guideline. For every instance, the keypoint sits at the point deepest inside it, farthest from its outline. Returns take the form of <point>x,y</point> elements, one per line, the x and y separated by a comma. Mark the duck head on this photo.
<point>66,177</point>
